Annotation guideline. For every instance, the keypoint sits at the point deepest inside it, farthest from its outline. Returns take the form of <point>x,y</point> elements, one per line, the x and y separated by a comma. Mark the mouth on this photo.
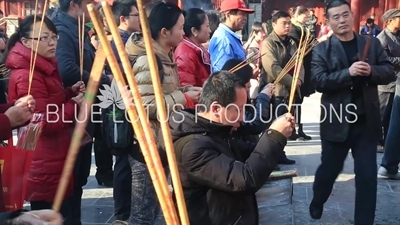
<point>52,50</point>
<point>343,27</point>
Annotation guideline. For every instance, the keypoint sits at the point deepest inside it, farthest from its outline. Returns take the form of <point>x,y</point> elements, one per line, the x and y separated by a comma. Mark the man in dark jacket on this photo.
<point>67,53</point>
<point>349,88</point>
<point>127,19</point>
<point>390,41</point>
<point>220,175</point>
<point>389,97</point>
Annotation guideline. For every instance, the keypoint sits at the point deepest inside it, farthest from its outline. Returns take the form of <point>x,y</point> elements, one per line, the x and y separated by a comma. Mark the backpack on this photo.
<point>117,130</point>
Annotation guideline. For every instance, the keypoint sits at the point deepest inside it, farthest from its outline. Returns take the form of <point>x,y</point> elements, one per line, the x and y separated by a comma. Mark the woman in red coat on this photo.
<point>58,105</point>
<point>192,58</point>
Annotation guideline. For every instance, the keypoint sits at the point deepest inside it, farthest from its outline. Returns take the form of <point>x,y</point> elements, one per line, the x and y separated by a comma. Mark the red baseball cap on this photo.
<point>240,5</point>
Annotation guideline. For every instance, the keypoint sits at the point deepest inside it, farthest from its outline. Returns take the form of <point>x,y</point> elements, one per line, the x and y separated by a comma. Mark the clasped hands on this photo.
<point>360,68</point>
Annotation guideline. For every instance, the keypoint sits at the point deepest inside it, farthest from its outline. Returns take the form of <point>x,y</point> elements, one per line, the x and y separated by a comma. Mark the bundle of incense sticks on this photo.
<point>299,62</point>
<point>292,61</point>
<point>29,135</point>
<point>81,40</point>
<point>251,59</point>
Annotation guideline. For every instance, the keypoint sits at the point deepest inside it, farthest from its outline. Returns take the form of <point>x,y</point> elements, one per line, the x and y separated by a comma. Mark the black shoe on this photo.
<point>316,210</point>
<point>294,136</point>
<point>277,168</point>
<point>301,133</point>
<point>105,180</point>
<point>287,161</point>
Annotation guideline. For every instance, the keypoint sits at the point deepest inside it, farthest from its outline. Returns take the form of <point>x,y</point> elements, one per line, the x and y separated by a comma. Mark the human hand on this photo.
<point>193,88</point>
<point>39,217</point>
<point>269,89</point>
<point>79,87</point>
<point>18,115</point>
<point>111,77</point>
<point>194,95</point>
<point>79,98</point>
<point>256,71</point>
<point>26,101</point>
<point>284,124</point>
<point>2,44</point>
<point>298,84</point>
<point>360,68</point>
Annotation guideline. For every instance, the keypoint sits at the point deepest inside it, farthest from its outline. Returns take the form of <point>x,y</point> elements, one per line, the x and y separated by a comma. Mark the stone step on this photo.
<point>275,202</point>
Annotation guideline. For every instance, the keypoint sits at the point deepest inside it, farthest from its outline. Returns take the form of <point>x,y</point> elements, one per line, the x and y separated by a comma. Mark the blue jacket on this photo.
<point>67,52</point>
<point>224,45</point>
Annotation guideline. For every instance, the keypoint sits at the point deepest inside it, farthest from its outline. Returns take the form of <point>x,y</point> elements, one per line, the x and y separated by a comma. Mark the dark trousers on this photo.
<point>65,210</point>
<point>385,101</point>
<point>391,158</point>
<point>363,148</point>
<point>296,111</point>
<point>122,187</point>
<point>102,154</point>
<point>280,108</point>
<point>81,174</point>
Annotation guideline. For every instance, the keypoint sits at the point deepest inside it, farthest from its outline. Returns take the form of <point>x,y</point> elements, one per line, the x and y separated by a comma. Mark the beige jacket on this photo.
<point>273,63</point>
<point>173,95</point>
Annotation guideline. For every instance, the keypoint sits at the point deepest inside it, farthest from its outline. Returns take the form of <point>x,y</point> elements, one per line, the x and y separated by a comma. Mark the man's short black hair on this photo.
<point>278,15</point>
<point>244,73</point>
<point>221,87</point>
<point>122,8</point>
<point>370,21</point>
<point>64,4</point>
<point>334,4</point>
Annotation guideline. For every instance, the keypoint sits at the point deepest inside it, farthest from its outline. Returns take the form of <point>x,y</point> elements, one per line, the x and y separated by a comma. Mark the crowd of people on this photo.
<point>225,154</point>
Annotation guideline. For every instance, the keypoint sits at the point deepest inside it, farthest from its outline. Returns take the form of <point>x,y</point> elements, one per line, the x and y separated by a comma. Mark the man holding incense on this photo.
<point>278,48</point>
<point>346,69</point>
<point>221,174</point>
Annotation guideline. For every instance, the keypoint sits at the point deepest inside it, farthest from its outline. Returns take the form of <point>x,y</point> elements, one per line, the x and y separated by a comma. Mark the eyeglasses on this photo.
<point>45,38</point>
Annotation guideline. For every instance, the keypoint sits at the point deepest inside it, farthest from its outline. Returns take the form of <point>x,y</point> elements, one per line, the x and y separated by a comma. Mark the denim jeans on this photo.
<point>145,207</point>
<point>391,158</point>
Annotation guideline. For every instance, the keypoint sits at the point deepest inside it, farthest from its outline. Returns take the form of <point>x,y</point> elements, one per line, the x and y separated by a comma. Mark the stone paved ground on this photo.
<point>98,202</point>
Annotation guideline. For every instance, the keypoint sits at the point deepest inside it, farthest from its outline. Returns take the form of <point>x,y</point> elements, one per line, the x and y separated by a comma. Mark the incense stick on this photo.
<point>366,48</point>
<point>247,62</point>
<point>79,130</point>
<point>161,109</point>
<point>148,148</point>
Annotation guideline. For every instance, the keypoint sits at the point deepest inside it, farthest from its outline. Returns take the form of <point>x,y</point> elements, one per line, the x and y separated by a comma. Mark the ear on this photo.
<point>164,32</point>
<point>71,5</point>
<point>215,108</point>
<point>26,42</point>
<point>227,15</point>
<point>121,19</point>
<point>194,31</point>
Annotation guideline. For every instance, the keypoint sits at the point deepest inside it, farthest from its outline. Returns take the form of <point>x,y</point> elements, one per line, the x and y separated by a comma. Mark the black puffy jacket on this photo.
<point>219,174</point>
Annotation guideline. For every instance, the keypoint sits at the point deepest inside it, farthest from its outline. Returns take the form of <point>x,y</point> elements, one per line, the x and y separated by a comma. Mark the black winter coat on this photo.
<point>220,175</point>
